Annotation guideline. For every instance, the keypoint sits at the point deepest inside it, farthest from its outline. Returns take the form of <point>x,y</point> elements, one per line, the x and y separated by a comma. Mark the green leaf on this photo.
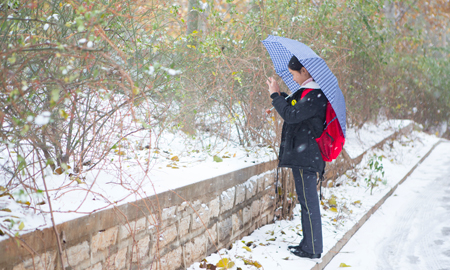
<point>22,163</point>
<point>21,225</point>
<point>55,95</point>
<point>63,114</point>
<point>12,59</point>
<point>217,159</point>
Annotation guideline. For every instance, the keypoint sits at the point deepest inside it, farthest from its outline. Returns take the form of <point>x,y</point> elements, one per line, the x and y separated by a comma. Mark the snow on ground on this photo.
<point>178,160</point>
<point>359,140</point>
<point>412,226</point>
<point>342,207</point>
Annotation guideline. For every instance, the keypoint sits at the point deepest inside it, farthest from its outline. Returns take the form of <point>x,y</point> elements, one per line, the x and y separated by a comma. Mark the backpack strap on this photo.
<point>305,92</point>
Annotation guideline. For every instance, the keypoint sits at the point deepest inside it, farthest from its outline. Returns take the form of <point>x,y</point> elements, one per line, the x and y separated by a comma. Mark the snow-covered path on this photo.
<point>411,230</point>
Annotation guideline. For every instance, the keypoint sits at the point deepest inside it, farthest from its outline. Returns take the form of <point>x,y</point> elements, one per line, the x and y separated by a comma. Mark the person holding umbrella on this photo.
<point>304,112</point>
<point>303,117</point>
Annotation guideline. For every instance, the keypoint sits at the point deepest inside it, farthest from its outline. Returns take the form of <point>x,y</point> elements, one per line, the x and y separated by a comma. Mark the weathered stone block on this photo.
<point>269,179</point>
<point>214,207</point>
<point>132,228</point>
<point>196,249</point>
<point>237,222</point>
<point>201,218</point>
<point>45,261</point>
<point>227,199</point>
<point>267,216</point>
<point>140,250</point>
<point>255,208</point>
<point>97,266</point>
<point>183,226</point>
<point>167,235</point>
<point>186,208</point>
<point>77,254</point>
<point>251,187</point>
<point>240,194</point>
<point>183,207</point>
<point>172,260</point>
<point>267,202</point>
<point>103,240</point>
<point>225,228</point>
<point>211,233</point>
<point>169,213</point>
<point>99,256</point>
<point>247,214</point>
<point>261,180</point>
<point>120,259</point>
<point>152,219</point>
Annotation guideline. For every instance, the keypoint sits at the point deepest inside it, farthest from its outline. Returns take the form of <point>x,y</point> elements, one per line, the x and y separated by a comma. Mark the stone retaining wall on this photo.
<point>194,221</point>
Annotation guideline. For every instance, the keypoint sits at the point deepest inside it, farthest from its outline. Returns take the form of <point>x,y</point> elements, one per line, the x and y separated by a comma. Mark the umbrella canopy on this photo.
<point>281,51</point>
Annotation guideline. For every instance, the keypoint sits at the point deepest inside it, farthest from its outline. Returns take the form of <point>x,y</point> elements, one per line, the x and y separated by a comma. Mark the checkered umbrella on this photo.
<point>281,51</point>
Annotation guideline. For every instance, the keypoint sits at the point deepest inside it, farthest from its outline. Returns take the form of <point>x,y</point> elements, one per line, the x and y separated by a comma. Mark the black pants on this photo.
<point>306,186</point>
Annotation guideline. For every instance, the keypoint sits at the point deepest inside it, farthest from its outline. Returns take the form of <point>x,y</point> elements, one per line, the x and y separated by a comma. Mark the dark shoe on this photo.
<point>300,253</point>
<point>295,247</point>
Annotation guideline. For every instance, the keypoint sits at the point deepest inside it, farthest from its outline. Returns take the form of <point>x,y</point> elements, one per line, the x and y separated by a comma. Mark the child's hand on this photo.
<point>273,86</point>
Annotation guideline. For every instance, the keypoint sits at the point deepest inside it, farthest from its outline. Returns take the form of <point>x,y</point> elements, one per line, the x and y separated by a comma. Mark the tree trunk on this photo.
<point>192,19</point>
<point>389,12</point>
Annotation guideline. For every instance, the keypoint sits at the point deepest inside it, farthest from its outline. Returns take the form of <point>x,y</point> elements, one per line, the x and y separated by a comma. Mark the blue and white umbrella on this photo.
<point>281,51</point>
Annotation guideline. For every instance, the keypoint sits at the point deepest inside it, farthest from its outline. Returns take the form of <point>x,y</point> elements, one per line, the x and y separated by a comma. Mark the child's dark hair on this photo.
<point>294,64</point>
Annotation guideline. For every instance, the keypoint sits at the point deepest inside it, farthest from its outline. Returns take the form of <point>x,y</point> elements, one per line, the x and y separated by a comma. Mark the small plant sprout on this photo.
<point>376,173</point>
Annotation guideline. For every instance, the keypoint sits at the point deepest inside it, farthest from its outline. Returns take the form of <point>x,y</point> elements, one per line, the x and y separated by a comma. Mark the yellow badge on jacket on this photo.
<point>293,102</point>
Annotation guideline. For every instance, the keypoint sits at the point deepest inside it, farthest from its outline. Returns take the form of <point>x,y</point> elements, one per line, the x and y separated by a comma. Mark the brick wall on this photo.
<point>166,231</point>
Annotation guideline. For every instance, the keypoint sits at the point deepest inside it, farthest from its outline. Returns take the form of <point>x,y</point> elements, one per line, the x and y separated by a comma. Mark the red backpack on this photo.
<point>332,139</point>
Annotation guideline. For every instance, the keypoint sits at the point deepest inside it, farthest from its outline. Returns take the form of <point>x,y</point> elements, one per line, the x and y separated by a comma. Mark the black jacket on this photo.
<point>298,148</point>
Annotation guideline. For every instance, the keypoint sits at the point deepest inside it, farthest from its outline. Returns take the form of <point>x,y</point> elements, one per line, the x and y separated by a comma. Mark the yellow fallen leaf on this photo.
<point>59,171</point>
<point>250,262</point>
<point>175,158</point>
<point>333,209</point>
<point>344,265</point>
<point>332,200</point>
<point>24,202</point>
<point>21,225</point>
<point>247,248</point>
<point>223,263</point>
<point>120,153</point>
